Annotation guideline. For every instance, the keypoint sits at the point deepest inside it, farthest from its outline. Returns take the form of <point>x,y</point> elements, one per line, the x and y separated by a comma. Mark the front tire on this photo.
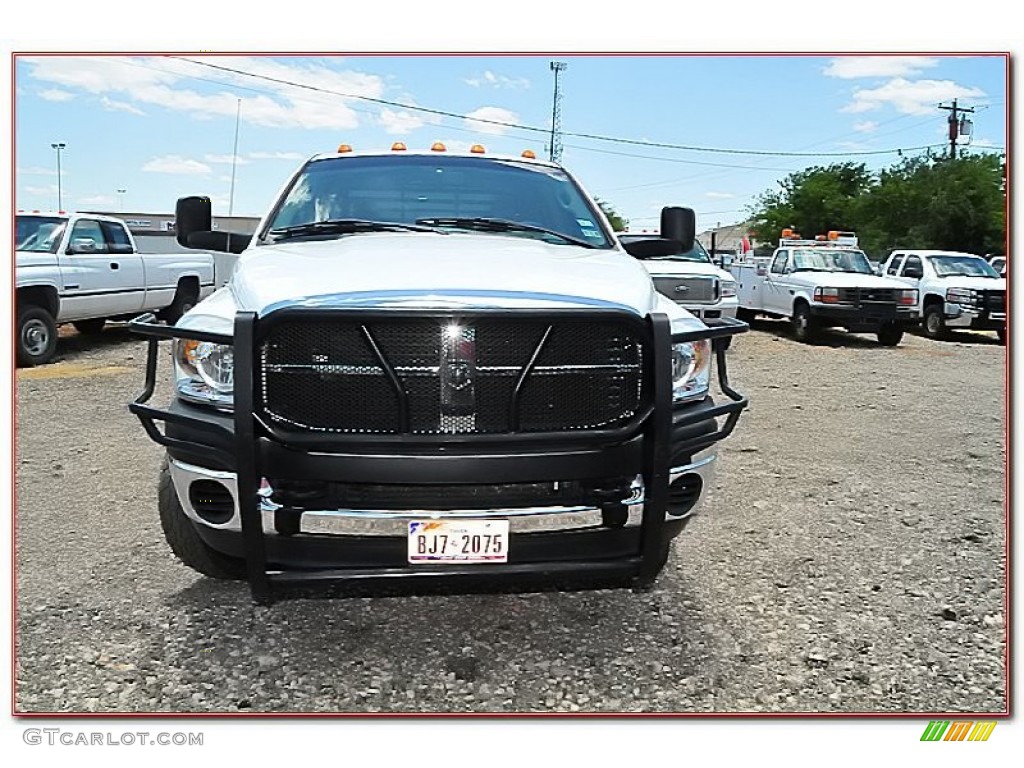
<point>934,323</point>
<point>93,327</point>
<point>805,328</point>
<point>890,335</point>
<point>37,336</point>
<point>185,542</point>
<point>184,300</point>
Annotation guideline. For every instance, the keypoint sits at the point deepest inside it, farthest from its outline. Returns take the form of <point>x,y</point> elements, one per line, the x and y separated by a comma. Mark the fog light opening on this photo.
<point>684,493</point>
<point>212,501</point>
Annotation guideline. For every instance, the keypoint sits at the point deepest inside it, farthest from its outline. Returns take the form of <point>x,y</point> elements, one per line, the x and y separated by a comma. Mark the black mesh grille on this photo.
<point>323,374</point>
<point>992,301</point>
<point>858,295</point>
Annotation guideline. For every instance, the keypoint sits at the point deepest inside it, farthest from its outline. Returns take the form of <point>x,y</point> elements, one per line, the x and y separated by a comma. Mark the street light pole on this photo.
<point>120,199</point>
<point>60,200</point>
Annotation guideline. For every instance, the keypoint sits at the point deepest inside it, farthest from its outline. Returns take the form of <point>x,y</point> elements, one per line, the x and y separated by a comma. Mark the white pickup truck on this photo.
<point>954,290</point>
<point>824,283</point>
<point>85,269</point>
<point>432,367</point>
<point>689,278</point>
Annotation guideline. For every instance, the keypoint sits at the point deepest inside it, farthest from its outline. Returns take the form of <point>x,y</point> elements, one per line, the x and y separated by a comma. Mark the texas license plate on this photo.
<point>458,541</point>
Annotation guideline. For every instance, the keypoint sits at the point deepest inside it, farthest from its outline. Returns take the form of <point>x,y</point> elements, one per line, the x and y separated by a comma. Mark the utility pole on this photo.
<point>60,199</point>
<point>556,114</point>
<point>234,160</point>
<point>957,125</point>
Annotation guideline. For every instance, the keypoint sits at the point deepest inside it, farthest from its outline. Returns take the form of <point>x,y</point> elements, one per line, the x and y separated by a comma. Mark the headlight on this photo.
<point>691,369</point>
<point>908,297</point>
<point>728,288</point>
<point>960,296</point>
<point>204,372</point>
<point>827,295</point>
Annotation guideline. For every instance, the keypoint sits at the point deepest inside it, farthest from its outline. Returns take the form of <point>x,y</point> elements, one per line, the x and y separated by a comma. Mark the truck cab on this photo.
<point>954,290</point>
<point>822,283</point>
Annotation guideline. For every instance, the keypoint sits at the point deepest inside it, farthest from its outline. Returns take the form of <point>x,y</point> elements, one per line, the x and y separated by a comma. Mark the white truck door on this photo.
<point>776,288</point>
<point>97,283</point>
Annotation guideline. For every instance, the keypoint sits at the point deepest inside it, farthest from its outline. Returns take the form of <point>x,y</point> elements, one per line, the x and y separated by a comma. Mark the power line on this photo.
<point>537,129</point>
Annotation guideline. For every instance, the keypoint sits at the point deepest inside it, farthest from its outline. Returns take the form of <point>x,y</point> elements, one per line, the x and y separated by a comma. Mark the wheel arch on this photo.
<point>44,296</point>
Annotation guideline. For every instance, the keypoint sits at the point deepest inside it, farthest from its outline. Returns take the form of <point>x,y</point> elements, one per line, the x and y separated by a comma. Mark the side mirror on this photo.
<point>653,247</point>
<point>193,228</point>
<point>679,224</point>
<point>913,273</point>
<point>192,214</point>
<point>82,245</point>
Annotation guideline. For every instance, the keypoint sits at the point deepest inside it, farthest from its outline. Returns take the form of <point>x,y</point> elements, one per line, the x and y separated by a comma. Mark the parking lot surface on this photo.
<point>850,559</point>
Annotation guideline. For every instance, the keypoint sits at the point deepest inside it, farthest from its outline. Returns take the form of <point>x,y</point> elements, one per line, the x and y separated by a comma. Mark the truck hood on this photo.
<point>415,269</point>
<point>976,283</point>
<point>673,267</point>
<point>34,259</point>
<point>845,280</point>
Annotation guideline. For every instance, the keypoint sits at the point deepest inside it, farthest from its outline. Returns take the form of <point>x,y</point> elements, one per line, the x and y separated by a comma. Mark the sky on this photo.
<point>159,127</point>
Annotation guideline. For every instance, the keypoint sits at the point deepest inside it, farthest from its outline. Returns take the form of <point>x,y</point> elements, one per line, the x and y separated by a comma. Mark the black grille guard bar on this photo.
<point>247,454</point>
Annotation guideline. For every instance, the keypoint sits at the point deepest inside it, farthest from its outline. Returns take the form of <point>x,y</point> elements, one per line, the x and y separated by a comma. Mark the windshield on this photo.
<point>38,234</point>
<point>831,260</point>
<point>969,266</point>
<point>697,253</point>
<point>451,193</point>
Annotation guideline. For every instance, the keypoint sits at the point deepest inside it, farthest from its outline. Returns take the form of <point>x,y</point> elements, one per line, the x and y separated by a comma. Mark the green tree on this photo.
<point>618,222</point>
<point>813,201</point>
<point>920,202</point>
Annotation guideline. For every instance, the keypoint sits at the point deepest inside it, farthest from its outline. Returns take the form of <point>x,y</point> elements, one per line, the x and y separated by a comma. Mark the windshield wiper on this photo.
<point>344,227</point>
<point>500,225</point>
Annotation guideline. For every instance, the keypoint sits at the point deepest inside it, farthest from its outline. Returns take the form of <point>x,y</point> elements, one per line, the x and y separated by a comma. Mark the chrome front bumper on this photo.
<point>378,522</point>
<point>960,316</point>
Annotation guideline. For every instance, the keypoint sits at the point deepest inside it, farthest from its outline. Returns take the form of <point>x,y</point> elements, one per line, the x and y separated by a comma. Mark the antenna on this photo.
<point>556,114</point>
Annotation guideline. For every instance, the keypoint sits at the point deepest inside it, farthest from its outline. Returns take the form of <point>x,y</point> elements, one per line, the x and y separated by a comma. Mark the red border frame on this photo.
<point>1007,420</point>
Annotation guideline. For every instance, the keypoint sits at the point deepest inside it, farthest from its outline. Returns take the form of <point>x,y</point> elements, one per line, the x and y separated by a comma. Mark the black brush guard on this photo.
<point>257,445</point>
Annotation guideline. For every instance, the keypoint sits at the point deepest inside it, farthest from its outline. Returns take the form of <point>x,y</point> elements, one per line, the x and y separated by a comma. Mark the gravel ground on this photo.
<point>850,558</point>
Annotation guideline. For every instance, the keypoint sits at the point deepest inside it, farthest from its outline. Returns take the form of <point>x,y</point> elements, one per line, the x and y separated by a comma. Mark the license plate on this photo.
<point>458,541</point>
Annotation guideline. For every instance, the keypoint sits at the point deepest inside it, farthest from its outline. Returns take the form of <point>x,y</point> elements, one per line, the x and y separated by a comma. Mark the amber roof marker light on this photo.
<point>529,154</point>
<point>437,146</point>
<point>477,149</point>
<point>343,148</point>
<point>398,147</point>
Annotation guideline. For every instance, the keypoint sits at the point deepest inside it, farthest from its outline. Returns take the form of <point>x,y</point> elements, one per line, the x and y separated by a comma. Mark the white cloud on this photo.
<point>277,156</point>
<point>497,114</point>
<point>853,146</point>
<point>849,67</point>
<point>95,200</point>
<point>37,171</point>
<point>50,190</point>
<point>225,159</point>
<point>55,94</point>
<point>719,195</point>
<point>910,97</point>
<point>402,121</point>
<point>493,80</point>
<point>120,106</point>
<point>161,82</point>
<point>176,164</point>
<point>868,126</point>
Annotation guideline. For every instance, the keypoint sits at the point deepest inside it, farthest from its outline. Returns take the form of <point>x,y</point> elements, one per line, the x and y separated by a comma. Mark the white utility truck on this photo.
<point>954,290</point>
<point>434,367</point>
<point>822,283</point>
<point>85,269</point>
